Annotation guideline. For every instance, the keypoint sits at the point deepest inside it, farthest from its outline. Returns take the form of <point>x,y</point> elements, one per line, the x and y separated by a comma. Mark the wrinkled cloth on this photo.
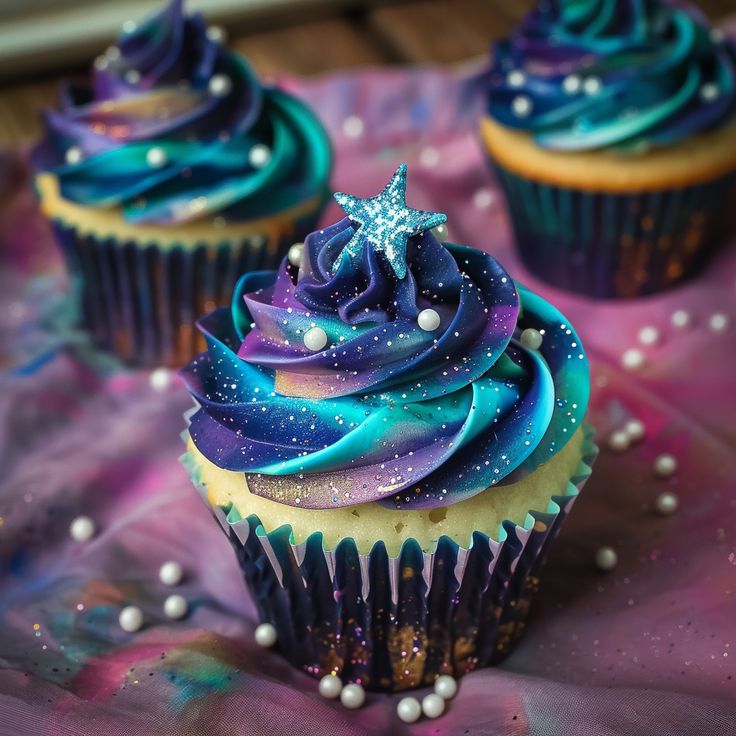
<point>648,648</point>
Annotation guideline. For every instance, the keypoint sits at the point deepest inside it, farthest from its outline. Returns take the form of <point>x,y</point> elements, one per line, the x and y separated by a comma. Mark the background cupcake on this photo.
<point>168,175</point>
<point>390,432</point>
<point>612,127</point>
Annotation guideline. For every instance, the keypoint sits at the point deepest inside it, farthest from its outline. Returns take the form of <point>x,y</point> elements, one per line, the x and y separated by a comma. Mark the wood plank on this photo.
<point>440,31</point>
<point>445,31</point>
<point>20,111</point>
<point>310,48</point>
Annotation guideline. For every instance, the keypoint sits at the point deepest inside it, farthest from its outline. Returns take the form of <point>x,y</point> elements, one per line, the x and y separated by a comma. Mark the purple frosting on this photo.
<point>174,127</point>
<point>386,411</point>
<point>613,73</point>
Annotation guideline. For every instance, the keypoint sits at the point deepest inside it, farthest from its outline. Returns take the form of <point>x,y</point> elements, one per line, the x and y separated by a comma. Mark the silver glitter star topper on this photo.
<point>385,222</point>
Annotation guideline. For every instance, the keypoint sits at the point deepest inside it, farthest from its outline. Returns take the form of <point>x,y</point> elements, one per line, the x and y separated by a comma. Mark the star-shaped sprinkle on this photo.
<point>385,222</point>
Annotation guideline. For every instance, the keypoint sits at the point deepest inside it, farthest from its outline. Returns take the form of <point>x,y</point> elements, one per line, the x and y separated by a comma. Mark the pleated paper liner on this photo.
<point>142,302</point>
<point>395,623</point>
<point>616,245</point>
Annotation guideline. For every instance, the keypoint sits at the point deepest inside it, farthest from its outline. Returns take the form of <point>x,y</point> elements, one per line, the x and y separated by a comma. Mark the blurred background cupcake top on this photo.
<point>585,74</point>
<point>173,127</point>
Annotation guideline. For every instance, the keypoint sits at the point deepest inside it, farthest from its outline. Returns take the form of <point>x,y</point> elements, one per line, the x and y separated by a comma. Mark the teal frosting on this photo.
<point>173,127</point>
<point>384,408</point>
<point>629,74</point>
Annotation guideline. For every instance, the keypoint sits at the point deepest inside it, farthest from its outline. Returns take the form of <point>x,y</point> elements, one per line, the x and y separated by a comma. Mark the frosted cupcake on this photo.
<point>390,431</point>
<point>612,127</point>
<point>167,176</point>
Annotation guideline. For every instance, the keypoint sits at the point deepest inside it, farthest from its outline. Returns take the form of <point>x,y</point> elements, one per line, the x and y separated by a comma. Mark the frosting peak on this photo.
<point>419,390</point>
<point>173,127</point>
<point>587,74</point>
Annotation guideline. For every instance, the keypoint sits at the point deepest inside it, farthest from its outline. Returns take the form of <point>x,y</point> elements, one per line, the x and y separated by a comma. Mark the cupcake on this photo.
<point>167,176</point>
<point>612,127</point>
<point>390,431</point>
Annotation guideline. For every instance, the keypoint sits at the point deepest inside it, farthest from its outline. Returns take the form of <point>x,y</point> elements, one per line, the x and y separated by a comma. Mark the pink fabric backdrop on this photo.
<point>649,648</point>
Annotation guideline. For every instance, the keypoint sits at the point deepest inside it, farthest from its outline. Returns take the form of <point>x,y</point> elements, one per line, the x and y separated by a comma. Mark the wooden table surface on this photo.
<point>419,31</point>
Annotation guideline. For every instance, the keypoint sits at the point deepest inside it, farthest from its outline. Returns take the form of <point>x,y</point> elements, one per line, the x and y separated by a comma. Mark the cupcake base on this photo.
<point>395,623</point>
<point>614,225</point>
<point>141,288</point>
<point>611,245</point>
<point>141,301</point>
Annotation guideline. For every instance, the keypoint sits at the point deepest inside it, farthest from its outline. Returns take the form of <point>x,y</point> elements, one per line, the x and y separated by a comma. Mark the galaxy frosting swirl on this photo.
<point>173,127</point>
<point>386,409</point>
<point>628,74</point>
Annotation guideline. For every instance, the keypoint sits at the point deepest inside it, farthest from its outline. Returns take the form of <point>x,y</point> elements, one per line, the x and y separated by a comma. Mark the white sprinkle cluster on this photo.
<point>680,319</point>
<point>606,558</point>
<point>266,635</point>
<point>521,106</point>
<point>648,335</point>
<point>633,359</point>
<point>353,127</point>
<point>665,465</point>
<point>220,85</point>
<point>259,155</point>
<point>82,529</point>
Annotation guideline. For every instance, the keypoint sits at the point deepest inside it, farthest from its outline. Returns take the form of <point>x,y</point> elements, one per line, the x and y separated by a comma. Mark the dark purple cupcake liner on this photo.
<point>395,623</point>
<point>616,245</point>
<point>141,301</point>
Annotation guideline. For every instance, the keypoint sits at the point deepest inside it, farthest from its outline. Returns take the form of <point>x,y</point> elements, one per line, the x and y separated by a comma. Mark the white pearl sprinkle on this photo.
<point>571,84</point>
<point>216,34</point>
<point>717,35</point>
<point>112,53</point>
<point>648,335</point>
<point>521,106</point>
<point>82,529</point>
<point>433,706</point>
<point>483,199</point>
<point>352,127</point>
<point>295,254</point>
<point>633,359</point>
<point>352,696</point>
<point>531,339</point>
<point>220,85</point>
<point>101,63</point>
<point>429,157</point>
<point>667,503</point>
<point>129,26</point>
<point>156,157</point>
<point>428,320</point>
<point>446,687</point>
<point>266,635</point>
<point>516,78</point>
<point>635,430</point>
<point>440,232</point>
<point>718,322</point>
<point>132,76</point>
<point>73,155</point>
<point>606,558</point>
<point>680,318</point>
<point>176,606</point>
<point>259,156</point>
<point>130,619</point>
<point>315,339</point>
<point>170,573</point>
<point>160,379</point>
<point>592,85</point>
<point>709,91</point>
<point>665,465</point>
<point>619,441</point>
<point>408,710</point>
<point>330,687</point>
